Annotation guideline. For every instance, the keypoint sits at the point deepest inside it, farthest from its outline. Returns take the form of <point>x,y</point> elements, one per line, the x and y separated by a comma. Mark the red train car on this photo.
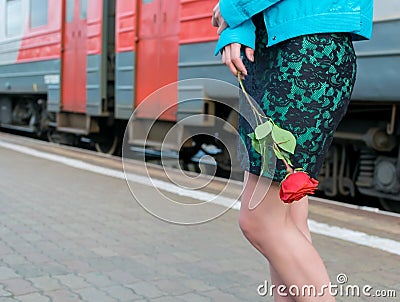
<point>77,68</point>
<point>55,66</point>
<point>160,42</point>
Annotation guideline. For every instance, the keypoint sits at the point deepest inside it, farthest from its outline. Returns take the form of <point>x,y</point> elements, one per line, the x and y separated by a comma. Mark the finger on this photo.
<point>221,27</point>
<point>249,54</point>
<point>216,14</point>
<point>228,61</point>
<point>214,21</point>
<point>236,59</point>
<point>216,7</point>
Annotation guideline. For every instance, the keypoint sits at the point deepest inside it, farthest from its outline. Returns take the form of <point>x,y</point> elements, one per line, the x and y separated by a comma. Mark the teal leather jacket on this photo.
<point>285,19</point>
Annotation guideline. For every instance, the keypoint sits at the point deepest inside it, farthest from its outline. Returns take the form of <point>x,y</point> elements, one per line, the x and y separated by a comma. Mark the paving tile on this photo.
<point>13,259</point>
<point>78,266</point>
<point>46,283</point>
<point>53,268</point>
<point>97,279</point>
<point>4,293</point>
<point>7,273</point>
<point>121,293</point>
<point>37,258</point>
<point>35,297</point>
<point>146,289</point>
<point>218,295</point>
<point>192,297</point>
<point>8,299</point>
<point>172,287</point>
<point>28,270</point>
<point>31,236</point>
<point>63,295</point>
<point>121,276</point>
<point>92,294</point>
<point>18,287</point>
<point>196,284</point>
<point>104,252</point>
<point>72,281</point>
<point>168,299</point>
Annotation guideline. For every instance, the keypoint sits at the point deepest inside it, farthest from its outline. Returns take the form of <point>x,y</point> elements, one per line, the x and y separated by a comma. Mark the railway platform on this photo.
<point>71,230</point>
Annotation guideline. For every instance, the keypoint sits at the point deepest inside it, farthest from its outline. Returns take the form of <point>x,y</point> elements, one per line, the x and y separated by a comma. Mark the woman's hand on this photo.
<point>218,20</point>
<point>231,58</point>
<point>231,52</point>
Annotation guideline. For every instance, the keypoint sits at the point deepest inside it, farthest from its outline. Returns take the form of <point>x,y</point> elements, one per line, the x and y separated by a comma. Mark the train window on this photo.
<point>70,10</point>
<point>13,17</point>
<point>38,13</point>
<point>83,9</point>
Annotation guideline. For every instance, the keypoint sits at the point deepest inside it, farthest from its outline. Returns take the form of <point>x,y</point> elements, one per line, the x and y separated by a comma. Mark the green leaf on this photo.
<point>263,130</point>
<point>266,161</point>
<point>284,139</point>
<point>281,154</point>
<point>252,135</point>
<point>255,143</point>
<point>267,154</point>
<point>278,153</point>
<point>256,146</point>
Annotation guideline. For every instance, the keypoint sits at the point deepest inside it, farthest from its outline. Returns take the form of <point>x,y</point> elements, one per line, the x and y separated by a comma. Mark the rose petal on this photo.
<point>297,185</point>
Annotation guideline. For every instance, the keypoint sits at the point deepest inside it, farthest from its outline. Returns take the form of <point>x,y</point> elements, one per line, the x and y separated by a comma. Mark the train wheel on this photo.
<point>390,204</point>
<point>108,146</point>
<point>56,137</point>
<point>52,137</point>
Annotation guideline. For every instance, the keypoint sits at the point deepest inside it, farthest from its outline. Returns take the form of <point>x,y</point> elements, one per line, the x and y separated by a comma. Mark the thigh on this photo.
<point>260,199</point>
<point>303,84</point>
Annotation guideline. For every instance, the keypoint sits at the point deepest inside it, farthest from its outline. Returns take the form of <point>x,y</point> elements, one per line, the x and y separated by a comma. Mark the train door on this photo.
<point>157,52</point>
<point>74,56</point>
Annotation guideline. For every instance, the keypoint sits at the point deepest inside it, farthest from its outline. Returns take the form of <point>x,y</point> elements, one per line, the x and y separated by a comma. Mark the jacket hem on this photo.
<point>234,15</point>
<point>344,22</point>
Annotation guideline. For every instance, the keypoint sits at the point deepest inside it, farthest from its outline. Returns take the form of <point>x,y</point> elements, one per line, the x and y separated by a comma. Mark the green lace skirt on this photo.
<point>304,84</point>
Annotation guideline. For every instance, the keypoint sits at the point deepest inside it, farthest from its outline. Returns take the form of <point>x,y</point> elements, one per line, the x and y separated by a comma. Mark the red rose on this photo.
<point>297,185</point>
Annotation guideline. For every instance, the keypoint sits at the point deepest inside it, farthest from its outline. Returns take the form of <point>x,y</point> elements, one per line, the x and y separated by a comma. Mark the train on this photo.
<point>76,70</point>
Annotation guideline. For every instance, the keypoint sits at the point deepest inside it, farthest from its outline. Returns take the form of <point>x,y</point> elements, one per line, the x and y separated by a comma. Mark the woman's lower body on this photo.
<point>303,84</point>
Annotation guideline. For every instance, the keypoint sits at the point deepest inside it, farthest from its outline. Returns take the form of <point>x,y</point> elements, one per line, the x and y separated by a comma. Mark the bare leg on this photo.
<point>299,213</point>
<point>272,230</point>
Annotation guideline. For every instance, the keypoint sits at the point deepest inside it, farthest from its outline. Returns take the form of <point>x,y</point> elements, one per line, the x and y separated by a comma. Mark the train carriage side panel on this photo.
<point>87,57</point>
<point>125,57</point>
<point>100,55</point>
<point>157,63</point>
<point>74,57</point>
<point>29,46</point>
<point>30,60</point>
<point>197,41</point>
<point>88,77</point>
<point>155,55</point>
<point>379,58</point>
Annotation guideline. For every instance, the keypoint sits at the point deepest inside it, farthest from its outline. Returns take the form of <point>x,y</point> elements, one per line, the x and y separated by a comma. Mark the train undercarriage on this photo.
<point>363,159</point>
<point>28,114</point>
<point>365,155</point>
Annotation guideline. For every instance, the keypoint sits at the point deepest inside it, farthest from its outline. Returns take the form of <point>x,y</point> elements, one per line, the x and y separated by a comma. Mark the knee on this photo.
<point>256,229</point>
<point>247,226</point>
